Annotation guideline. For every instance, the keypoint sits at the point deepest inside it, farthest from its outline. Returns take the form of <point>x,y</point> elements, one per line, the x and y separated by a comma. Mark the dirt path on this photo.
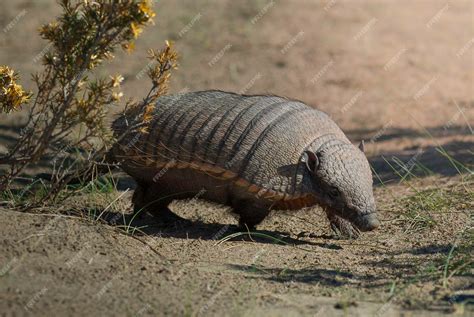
<point>292,266</point>
<point>73,266</point>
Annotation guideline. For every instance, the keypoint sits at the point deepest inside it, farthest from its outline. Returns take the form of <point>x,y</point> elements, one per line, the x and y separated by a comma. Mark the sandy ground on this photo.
<point>398,74</point>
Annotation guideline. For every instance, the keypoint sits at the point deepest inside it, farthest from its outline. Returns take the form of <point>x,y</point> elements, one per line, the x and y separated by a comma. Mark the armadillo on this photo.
<point>254,153</point>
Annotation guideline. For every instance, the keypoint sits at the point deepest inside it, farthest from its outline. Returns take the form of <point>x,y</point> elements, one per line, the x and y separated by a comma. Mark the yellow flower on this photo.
<point>143,130</point>
<point>129,47</point>
<point>116,96</point>
<point>148,114</point>
<point>109,55</point>
<point>145,8</point>
<point>12,95</point>
<point>136,30</point>
<point>116,80</point>
<point>7,72</point>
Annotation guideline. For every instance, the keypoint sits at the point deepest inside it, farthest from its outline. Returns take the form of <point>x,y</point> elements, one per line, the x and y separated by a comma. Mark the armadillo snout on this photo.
<point>367,222</point>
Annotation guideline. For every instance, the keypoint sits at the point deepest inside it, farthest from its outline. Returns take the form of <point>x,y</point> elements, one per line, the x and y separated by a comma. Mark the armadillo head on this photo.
<point>342,180</point>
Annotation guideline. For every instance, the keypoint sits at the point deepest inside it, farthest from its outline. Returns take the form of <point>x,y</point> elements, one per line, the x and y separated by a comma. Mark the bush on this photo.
<point>66,119</point>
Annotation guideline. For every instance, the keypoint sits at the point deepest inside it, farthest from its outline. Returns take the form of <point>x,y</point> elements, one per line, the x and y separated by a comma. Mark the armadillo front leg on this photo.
<point>342,227</point>
<point>250,212</point>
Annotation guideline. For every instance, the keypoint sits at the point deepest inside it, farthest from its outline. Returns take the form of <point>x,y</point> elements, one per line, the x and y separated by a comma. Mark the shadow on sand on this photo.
<point>188,229</point>
<point>446,159</point>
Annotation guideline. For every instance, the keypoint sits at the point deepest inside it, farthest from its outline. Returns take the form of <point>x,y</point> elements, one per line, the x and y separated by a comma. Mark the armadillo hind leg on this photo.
<point>251,213</point>
<point>165,215</point>
<point>143,202</point>
<point>138,201</point>
<point>341,227</point>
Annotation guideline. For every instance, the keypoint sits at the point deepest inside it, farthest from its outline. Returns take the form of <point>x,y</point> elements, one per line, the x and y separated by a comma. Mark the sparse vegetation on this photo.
<point>66,122</point>
<point>418,209</point>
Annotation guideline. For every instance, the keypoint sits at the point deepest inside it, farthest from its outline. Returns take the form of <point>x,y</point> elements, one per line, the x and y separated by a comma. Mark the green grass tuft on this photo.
<point>419,208</point>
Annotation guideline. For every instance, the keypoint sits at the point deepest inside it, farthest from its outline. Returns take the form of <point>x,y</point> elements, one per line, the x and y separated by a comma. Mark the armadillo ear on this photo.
<point>362,146</point>
<point>312,161</point>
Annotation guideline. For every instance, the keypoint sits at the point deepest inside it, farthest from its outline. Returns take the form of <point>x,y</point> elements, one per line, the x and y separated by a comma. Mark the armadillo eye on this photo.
<point>333,192</point>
